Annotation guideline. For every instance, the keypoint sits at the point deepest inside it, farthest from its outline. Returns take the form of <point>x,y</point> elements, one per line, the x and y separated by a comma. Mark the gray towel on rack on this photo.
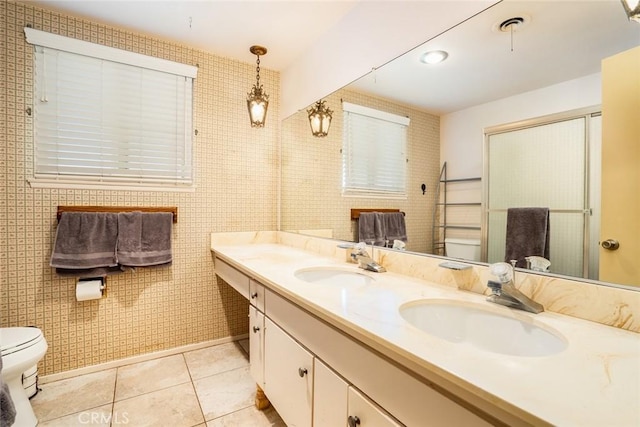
<point>7,408</point>
<point>85,240</point>
<point>144,239</point>
<point>527,234</point>
<point>394,226</point>
<point>371,228</point>
<point>85,273</point>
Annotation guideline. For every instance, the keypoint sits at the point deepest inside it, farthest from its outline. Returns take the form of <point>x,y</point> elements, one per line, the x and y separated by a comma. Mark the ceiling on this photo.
<point>560,40</point>
<point>226,28</point>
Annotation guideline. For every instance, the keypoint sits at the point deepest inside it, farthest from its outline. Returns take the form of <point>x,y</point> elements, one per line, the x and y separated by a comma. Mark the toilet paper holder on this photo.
<point>90,288</point>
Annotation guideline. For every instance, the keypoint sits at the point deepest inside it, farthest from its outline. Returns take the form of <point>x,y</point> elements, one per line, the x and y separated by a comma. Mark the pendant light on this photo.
<point>632,8</point>
<point>257,100</point>
<point>320,119</point>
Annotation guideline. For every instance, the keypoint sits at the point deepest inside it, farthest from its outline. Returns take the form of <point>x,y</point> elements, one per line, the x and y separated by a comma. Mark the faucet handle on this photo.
<point>496,287</point>
<point>503,271</point>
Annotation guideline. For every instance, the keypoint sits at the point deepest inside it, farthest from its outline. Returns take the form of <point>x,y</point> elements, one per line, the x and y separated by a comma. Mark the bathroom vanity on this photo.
<point>332,345</point>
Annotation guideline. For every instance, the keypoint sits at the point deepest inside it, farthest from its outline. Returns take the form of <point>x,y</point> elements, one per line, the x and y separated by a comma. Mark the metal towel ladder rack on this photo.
<point>440,224</point>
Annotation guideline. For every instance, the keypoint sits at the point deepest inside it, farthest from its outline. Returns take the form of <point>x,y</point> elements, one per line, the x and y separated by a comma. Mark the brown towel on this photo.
<point>85,240</point>
<point>394,226</point>
<point>527,234</point>
<point>144,239</point>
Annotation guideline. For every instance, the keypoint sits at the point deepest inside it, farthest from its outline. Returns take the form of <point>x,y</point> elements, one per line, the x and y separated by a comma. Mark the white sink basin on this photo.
<point>336,276</point>
<point>461,322</point>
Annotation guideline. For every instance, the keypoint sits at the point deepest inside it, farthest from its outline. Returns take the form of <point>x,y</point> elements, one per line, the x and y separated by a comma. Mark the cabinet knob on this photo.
<point>256,329</point>
<point>611,244</point>
<point>254,295</point>
<point>353,421</point>
<point>302,372</point>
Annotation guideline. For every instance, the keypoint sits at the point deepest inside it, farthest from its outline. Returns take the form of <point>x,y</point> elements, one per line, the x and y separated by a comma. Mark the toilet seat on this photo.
<point>16,339</point>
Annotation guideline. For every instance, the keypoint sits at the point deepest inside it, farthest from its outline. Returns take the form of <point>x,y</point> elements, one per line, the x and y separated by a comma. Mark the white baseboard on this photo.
<point>136,359</point>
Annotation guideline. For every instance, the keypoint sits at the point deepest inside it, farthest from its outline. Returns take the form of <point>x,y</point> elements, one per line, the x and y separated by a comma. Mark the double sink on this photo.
<point>498,330</point>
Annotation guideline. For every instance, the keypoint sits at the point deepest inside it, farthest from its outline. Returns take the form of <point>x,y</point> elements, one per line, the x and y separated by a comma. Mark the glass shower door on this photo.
<point>541,166</point>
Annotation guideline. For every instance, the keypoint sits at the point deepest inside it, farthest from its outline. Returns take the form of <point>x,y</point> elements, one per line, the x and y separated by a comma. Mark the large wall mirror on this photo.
<point>517,64</point>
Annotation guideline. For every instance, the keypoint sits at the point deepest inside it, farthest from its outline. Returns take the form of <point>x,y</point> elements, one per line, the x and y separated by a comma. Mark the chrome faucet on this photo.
<point>364,260</point>
<point>505,293</point>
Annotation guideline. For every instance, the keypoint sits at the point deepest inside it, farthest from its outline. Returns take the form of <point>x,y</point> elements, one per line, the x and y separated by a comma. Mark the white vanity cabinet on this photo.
<point>314,374</point>
<point>288,376</point>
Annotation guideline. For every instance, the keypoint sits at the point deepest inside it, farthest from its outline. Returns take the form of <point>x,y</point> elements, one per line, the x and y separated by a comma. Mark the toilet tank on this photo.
<point>468,249</point>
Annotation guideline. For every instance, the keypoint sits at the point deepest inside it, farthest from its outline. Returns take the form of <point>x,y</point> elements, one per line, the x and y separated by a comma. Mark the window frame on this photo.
<point>350,187</point>
<point>183,178</point>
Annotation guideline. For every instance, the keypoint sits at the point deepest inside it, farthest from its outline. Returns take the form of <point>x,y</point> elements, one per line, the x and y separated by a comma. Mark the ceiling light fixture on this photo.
<point>257,99</point>
<point>434,57</point>
<point>320,119</point>
<point>632,8</point>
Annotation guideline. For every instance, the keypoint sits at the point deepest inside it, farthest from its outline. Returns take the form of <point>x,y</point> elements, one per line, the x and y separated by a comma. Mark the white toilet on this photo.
<point>468,249</point>
<point>21,348</point>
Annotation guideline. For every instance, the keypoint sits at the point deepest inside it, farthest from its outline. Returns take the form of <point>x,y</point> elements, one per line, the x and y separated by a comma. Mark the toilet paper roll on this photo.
<point>89,289</point>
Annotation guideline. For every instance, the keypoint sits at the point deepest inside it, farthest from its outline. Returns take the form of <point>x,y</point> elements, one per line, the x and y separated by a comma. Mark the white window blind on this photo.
<point>103,116</point>
<point>374,152</point>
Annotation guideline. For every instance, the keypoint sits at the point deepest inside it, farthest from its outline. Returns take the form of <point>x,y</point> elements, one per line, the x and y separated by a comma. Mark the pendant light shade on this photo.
<point>632,8</point>
<point>257,99</point>
<point>320,119</point>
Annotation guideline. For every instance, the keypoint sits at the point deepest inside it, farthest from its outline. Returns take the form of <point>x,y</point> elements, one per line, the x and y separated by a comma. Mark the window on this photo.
<point>374,147</point>
<point>107,117</point>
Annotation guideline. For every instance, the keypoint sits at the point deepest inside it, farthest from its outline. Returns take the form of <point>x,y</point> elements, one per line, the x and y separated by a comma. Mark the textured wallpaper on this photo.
<point>150,309</point>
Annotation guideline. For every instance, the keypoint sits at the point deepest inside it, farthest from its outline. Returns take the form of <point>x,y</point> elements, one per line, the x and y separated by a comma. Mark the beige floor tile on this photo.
<point>175,406</point>
<point>216,359</point>
<point>249,417</point>
<point>98,417</point>
<point>144,377</point>
<point>225,393</point>
<point>73,395</point>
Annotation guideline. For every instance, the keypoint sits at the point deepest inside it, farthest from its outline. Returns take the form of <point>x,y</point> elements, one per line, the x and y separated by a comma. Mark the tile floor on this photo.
<point>210,387</point>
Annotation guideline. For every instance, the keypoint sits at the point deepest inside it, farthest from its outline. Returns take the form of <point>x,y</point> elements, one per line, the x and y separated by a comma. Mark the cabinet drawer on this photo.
<point>237,280</point>
<point>256,295</point>
<point>365,413</point>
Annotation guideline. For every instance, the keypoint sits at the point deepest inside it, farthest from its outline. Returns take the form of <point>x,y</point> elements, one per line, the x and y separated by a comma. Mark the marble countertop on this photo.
<point>595,381</point>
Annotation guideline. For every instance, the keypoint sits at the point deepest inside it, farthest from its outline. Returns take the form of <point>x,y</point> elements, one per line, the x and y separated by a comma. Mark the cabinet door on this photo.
<point>256,295</point>
<point>364,413</point>
<point>288,376</point>
<point>330,393</point>
<point>256,345</point>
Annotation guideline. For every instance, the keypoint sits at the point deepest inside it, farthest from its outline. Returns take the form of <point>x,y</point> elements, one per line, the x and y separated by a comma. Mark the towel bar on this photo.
<point>116,209</point>
<point>355,213</point>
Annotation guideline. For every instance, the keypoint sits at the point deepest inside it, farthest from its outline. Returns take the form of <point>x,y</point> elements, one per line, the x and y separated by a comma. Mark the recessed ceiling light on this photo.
<point>434,57</point>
